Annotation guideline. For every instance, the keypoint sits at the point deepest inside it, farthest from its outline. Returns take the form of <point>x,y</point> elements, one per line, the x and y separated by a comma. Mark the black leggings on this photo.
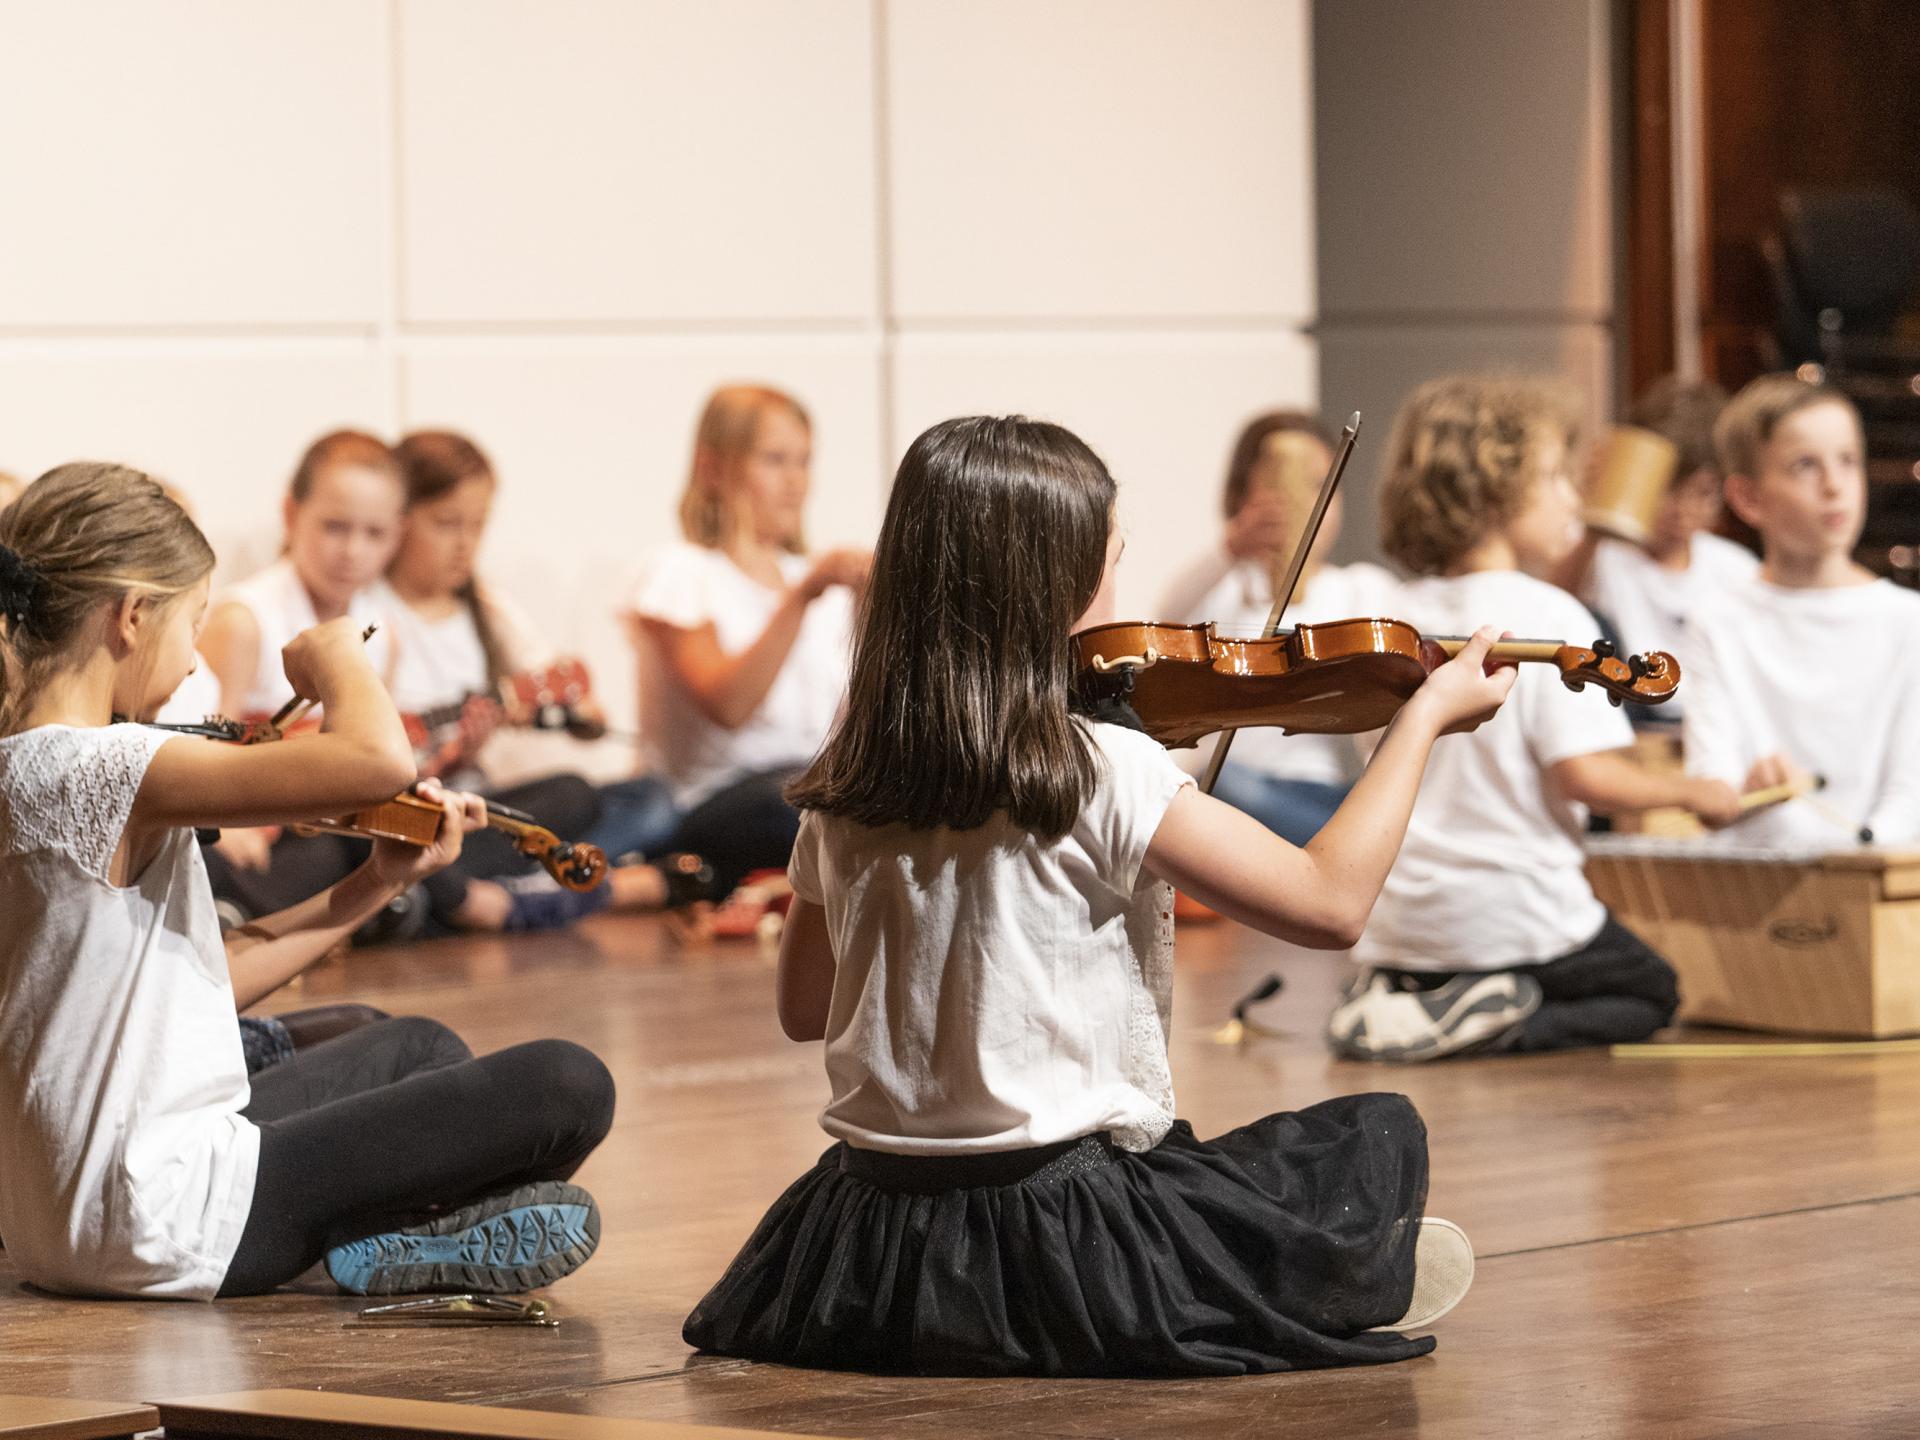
<point>744,827</point>
<point>304,865</point>
<point>370,1130</point>
<point>1614,990</point>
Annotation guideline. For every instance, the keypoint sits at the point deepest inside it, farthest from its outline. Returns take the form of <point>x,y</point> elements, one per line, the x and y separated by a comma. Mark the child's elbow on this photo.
<point>391,770</point>
<point>802,1025</point>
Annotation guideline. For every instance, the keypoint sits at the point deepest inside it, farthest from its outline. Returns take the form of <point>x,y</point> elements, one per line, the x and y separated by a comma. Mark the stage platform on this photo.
<point>1668,1247</point>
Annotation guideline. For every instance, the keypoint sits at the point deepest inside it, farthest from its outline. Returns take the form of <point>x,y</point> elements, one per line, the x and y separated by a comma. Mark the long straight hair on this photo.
<point>433,463</point>
<point>80,536</point>
<point>994,542</point>
<point>713,509</point>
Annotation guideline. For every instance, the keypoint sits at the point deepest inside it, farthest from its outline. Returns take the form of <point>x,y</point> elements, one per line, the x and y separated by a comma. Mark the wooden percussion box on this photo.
<point>1802,944</point>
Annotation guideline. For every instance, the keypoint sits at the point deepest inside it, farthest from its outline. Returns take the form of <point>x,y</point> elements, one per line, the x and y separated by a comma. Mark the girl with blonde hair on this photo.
<point>150,1166</point>
<point>742,636</point>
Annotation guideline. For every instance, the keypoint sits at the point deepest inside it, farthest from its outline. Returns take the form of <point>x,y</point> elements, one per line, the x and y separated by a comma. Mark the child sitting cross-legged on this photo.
<point>1486,934</point>
<point>981,933</point>
<point>136,1159</point>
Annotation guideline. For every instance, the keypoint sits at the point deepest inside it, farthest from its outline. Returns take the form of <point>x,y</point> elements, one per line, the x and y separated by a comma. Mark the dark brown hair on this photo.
<point>432,464</point>
<point>80,535</point>
<point>1682,412</point>
<point>993,545</point>
<point>341,447</point>
<point>1252,442</point>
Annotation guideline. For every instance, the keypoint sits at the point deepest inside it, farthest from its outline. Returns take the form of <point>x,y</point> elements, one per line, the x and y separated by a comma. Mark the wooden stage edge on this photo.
<point>1716,1247</point>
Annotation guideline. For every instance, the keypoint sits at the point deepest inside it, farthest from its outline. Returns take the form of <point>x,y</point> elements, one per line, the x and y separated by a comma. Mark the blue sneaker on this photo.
<point>501,1245</point>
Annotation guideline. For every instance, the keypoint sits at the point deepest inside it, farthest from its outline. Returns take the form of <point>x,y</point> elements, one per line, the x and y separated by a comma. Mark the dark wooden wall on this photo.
<point>1796,92</point>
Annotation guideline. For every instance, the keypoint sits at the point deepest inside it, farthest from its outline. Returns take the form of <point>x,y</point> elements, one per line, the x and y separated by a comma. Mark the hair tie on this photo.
<point>20,587</point>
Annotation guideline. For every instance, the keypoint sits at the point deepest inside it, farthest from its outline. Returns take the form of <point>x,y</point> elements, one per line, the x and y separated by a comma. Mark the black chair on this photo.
<point>1844,264</point>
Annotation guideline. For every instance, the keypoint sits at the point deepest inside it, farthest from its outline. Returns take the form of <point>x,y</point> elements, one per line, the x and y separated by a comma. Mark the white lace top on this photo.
<point>993,991</point>
<point>125,1165</point>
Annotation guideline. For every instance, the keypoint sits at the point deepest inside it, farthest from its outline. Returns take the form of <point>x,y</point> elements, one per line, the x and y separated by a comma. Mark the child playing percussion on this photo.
<point>1809,667</point>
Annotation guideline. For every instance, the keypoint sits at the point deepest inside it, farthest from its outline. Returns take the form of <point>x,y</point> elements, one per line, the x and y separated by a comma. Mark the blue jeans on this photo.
<point>637,816</point>
<point>1293,809</point>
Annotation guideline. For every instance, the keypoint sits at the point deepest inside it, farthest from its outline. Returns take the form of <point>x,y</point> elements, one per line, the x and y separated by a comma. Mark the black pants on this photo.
<point>1613,990</point>
<point>374,1128</point>
<point>304,865</point>
<point>745,827</point>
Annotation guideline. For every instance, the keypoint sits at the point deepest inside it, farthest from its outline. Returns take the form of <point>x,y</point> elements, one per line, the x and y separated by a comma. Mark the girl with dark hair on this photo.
<point>1289,783</point>
<point>981,933</point>
<point>136,1158</point>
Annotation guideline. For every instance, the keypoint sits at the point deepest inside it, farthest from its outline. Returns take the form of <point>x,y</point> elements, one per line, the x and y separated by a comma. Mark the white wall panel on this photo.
<point>592,441</point>
<point>1093,158</point>
<point>1161,409</point>
<point>224,423</point>
<point>584,161</point>
<point>199,163</point>
<point>1465,156</point>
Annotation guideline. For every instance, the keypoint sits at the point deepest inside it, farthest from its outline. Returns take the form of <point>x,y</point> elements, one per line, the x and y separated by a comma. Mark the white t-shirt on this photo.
<point>197,698</point>
<point>282,608</point>
<point>993,991</point>
<point>1491,873</point>
<point>1239,604</point>
<point>1829,678</point>
<point>1652,607</point>
<point>688,586</point>
<point>441,662</point>
<point>126,1167</point>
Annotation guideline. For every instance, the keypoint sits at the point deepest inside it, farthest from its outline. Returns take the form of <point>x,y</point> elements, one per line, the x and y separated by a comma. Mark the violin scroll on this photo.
<point>1648,679</point>
<point>572,863</point>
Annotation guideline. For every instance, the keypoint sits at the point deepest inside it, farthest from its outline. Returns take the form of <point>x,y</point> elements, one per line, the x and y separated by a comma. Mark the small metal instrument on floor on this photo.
<point>447,1310</point>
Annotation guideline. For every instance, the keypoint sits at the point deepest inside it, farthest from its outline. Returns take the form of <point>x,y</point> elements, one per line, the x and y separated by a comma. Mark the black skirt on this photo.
<point>1274,1247</point>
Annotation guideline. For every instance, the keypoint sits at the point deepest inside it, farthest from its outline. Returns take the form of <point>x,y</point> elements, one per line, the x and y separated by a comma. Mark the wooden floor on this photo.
<point>1681,1248</point>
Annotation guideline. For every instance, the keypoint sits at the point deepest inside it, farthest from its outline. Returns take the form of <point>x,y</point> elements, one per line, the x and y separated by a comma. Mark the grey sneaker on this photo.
<point>1442,1273</point>
<point>1379,1020</point>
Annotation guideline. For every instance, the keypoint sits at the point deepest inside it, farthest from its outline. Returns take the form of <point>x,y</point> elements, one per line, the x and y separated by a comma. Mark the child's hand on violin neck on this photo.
<point>315,657</point>
<point>399,863</point>
<point>1467,691</point>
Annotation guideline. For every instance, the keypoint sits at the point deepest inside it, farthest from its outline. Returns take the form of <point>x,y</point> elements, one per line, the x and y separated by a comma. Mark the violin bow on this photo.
<point>1295,569</point>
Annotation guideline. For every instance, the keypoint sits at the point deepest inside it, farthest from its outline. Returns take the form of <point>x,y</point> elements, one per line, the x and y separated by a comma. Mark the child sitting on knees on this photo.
<point>1810,667</point>
<point>1486,932</point>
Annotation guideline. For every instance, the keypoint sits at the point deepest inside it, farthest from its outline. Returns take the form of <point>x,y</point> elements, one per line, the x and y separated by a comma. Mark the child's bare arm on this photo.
<point>1612,783</point>
<point>1321,896</point>
<point>266,953</point>
<point>805,987</point>
<point>360,756</point>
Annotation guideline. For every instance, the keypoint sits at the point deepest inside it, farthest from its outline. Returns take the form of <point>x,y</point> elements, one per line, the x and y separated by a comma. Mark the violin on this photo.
<point>1342,677</point>
<point>413,821</point>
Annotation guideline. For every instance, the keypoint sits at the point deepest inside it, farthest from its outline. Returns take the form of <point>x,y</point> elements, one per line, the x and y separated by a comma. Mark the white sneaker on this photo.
<point>1442,1273</point>
<point>1377,1019</point>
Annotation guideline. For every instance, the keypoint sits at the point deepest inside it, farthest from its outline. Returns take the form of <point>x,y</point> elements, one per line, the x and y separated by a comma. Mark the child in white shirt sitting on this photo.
<point>1486,933</point>
<point>1809,668</point>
